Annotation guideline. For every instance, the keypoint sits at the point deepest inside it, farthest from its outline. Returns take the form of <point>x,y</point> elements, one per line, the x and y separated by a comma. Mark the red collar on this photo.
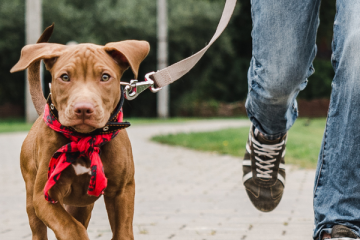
<point>81,145</point>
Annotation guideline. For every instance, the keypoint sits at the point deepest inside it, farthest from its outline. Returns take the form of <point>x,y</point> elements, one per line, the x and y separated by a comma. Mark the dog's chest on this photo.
<point>74,183</point>
<point>81,168</point>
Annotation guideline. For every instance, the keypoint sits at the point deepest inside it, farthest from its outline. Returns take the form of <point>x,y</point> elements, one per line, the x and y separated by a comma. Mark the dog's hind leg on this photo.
<point>120,209</point>
<point>82,214</point>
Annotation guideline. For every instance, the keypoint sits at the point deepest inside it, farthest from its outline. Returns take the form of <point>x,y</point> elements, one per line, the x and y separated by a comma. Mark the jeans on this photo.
<point>284,34</point>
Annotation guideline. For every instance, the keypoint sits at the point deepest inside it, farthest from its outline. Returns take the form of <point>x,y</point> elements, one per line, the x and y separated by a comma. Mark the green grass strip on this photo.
<point>14,125</point>
<point>303,143</point>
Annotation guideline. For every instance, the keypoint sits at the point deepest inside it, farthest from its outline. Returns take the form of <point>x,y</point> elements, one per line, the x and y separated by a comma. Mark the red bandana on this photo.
<point>81,145</point>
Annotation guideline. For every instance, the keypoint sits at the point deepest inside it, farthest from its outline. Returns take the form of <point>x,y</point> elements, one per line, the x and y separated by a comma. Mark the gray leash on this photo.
<point>172,73</point>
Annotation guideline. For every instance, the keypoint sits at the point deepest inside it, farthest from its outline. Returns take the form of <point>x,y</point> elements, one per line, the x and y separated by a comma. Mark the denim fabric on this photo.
<point>284,34</point>
<point>337,185</point>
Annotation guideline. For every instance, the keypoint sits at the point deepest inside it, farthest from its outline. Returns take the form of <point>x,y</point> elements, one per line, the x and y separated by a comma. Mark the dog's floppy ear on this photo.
<point>31,56</point>
<point>35,52</point>
<point>130,52</point>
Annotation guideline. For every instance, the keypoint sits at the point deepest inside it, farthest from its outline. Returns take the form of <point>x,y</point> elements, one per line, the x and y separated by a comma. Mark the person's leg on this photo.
<point>337,183</point>
<point>284,34</point>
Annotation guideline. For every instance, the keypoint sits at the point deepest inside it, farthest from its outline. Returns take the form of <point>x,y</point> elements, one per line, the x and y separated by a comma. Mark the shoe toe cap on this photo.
<point>264,199</point>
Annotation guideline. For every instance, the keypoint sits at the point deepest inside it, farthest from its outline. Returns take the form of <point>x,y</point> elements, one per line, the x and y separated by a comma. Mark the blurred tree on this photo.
<point>12,39</point>
<point>219,76</point>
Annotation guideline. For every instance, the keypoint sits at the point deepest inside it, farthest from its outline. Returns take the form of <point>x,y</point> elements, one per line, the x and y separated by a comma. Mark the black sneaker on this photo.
<point>264,173</point>
<point>340,232</point>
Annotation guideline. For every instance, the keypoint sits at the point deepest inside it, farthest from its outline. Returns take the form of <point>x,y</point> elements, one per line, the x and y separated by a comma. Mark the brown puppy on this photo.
<point>85,91</point>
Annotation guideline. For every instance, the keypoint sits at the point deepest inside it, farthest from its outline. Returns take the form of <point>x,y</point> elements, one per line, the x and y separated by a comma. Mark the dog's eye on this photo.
<point>65,78</point>
<point>105,77</point>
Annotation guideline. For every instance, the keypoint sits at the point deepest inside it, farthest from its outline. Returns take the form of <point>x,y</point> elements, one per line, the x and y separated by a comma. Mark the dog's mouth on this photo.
<point>84,126</point>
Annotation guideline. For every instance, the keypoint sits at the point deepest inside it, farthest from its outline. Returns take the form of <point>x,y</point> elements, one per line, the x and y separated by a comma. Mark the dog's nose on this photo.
<point>84,110</point>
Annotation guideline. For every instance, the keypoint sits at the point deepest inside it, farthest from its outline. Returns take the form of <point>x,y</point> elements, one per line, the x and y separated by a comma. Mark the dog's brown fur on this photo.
<point>85,64</point>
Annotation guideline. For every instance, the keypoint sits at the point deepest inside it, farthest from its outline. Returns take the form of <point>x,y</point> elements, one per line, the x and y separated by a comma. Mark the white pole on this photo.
<point>33,23</point>
<point>162,31</point>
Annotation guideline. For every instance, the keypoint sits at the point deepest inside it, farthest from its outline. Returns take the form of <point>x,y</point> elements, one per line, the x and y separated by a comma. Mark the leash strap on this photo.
<point>168,75</point>
<point>172,73</point>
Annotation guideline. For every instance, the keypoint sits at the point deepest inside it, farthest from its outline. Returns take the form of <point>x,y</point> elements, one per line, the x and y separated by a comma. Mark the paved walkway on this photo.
<point>180,193</point>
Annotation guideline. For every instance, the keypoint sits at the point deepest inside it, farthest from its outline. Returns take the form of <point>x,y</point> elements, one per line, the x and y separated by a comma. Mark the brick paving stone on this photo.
<point>181,194</point>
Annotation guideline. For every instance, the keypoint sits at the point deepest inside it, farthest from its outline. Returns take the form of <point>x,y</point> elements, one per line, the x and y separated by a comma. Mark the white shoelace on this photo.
<point>264,167</point>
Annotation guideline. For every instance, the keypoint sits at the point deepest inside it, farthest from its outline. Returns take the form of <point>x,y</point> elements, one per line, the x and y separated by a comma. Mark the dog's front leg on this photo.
<point>59,220</point>
<point>120,209</point>
<point>54,215</point>
<point>38,228</point>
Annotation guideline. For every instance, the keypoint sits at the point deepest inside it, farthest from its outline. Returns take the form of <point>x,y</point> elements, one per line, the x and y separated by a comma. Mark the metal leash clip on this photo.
<point>134,88</point>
